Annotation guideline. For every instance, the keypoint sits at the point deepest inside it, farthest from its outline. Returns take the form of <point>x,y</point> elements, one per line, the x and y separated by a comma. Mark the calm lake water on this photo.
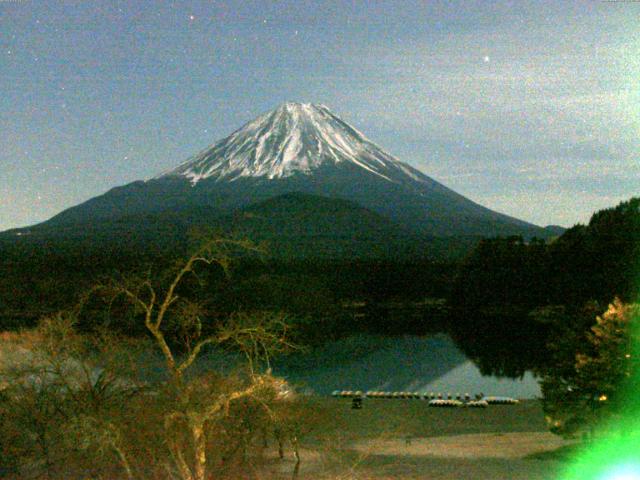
<point>410,363</point>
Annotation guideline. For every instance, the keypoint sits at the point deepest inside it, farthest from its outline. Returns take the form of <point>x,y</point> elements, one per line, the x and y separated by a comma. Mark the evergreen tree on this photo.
<point>590,383</point>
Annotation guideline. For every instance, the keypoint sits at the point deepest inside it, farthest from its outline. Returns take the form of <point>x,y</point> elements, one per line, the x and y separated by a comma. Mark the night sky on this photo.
<point>531,109</point>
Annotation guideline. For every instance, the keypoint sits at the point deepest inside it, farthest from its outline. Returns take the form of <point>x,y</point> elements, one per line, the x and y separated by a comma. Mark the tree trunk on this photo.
<point>199,445</point>
<point>296,453</point>
<point>124,462</point>
<point>280,448</point>
<point>185,471</point>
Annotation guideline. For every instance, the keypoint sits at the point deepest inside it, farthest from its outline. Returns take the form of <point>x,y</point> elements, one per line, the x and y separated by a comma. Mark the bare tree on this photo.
<point>53,387</point>
<point>195,404</point>
<point>85,405</point>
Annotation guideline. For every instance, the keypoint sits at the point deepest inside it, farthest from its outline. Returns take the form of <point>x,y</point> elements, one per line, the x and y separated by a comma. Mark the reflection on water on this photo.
<point>371,362</point>
<point>466,378</point>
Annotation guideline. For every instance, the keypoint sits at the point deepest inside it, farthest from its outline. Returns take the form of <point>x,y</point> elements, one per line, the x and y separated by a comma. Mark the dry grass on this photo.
<point>24,339</point>
<point>469,446</point>
<point>404,439</point>
<point>16,349</point>
<point>399,439</point>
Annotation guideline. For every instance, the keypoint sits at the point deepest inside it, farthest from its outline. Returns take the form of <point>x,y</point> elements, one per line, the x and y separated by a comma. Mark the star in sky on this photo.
<point>137,72</point>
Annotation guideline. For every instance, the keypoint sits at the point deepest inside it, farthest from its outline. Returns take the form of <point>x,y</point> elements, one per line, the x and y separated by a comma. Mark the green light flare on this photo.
<point>624,472</point>
<point>613,458</point>
<point>616,455</point>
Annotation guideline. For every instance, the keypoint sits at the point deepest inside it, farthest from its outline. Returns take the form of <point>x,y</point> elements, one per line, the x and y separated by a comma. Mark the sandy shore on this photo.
<point>474,446</point>
<point>503,456</point>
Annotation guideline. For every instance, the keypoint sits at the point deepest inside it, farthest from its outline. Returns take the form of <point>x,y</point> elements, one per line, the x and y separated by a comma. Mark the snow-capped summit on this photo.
<point>293,138</point>
<point>300,148</point>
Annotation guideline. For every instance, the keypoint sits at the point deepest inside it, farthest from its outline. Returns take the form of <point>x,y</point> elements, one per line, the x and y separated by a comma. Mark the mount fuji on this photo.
<point>316,164</point>
<point>293,138</point>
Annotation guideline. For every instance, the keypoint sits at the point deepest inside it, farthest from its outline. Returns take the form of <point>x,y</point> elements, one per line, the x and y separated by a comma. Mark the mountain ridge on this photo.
<point>293,226</point>
<point>300,148</point>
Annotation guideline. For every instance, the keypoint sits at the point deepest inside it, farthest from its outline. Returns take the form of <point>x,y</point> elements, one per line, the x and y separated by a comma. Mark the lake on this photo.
<point>399,363</point>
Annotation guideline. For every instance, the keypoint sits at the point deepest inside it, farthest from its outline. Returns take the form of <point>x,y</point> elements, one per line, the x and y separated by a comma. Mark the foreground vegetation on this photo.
<point>80,403</point>
<point>544,290</point>
<point>85,397</point>
<point>85,423</point>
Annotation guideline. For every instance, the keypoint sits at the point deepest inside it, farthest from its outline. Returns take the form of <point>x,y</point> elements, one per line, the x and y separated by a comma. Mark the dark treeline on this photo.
<point>497,305</point>
<point>505,289</point>
<point>325,298</point>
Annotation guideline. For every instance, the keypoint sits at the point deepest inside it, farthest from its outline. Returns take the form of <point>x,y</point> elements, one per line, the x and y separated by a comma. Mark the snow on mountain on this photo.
<point>300,148</point>
<point>295,137</point>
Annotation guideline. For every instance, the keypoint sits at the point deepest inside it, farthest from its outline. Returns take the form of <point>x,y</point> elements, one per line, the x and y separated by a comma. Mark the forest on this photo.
<point>502,281</point>
<point>512,306</point>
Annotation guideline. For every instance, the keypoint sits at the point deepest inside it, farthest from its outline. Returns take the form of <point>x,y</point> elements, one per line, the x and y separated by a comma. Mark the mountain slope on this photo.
<point>293,138</point>
<point>297,225</point>
<point>293,225</point>
<point>301,148</point>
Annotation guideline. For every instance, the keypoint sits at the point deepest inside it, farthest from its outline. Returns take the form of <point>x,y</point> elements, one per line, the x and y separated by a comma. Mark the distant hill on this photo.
<point>554,230</point>
<point>293,225</point>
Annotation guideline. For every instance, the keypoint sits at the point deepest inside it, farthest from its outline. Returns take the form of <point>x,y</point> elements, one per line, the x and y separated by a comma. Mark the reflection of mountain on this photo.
<point>367,362</point>
<point>466,378</point>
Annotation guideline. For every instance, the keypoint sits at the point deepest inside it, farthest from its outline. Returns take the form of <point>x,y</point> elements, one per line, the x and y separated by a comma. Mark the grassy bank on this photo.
<point>405,439</point>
